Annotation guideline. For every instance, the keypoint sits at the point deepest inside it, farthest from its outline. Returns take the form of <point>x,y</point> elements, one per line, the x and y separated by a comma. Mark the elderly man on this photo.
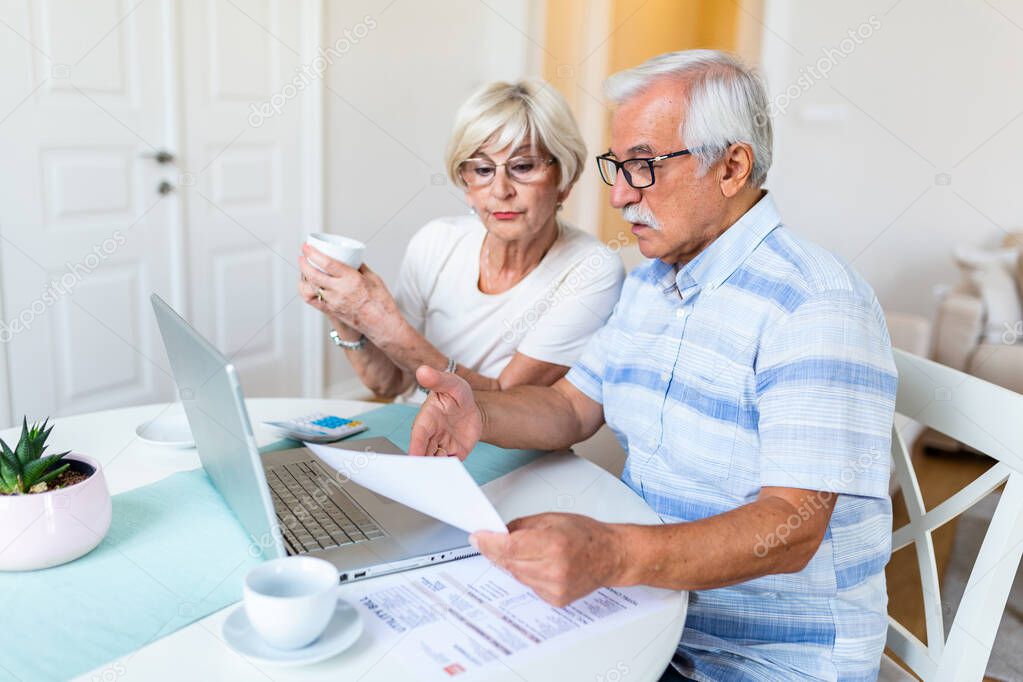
<point>747,373</point>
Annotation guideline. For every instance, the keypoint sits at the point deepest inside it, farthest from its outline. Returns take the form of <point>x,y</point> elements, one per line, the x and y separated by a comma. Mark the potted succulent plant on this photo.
<point>53,508</point>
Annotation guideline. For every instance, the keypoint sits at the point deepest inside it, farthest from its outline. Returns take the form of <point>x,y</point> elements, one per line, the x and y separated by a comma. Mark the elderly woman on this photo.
<point>506,295</point>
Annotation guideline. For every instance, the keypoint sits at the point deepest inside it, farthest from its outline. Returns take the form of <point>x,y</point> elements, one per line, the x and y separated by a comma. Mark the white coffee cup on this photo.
<point>348,251</point>
<point>290,601</point>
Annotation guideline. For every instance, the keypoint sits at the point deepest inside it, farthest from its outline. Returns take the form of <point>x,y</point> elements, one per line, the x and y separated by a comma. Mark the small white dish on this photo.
<point>343,630</point>
<point>169,431</point>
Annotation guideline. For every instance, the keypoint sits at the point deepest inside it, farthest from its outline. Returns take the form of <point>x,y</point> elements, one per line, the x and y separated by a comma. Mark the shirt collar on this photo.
<point>724,255</point>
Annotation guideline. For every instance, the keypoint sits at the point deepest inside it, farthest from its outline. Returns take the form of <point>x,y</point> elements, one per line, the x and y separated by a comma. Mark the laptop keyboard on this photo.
<point>322,515</point>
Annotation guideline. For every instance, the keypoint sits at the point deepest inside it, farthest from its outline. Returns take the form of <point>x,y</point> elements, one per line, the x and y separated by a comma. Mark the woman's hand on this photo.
<point>356,298</point>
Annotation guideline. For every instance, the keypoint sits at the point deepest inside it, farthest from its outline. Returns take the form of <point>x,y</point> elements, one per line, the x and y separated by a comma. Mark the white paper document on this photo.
<point>437,486</point>
<point>452,619</point>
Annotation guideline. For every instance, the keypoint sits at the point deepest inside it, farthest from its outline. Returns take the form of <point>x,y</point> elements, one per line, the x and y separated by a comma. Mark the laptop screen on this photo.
<point>212,398</point>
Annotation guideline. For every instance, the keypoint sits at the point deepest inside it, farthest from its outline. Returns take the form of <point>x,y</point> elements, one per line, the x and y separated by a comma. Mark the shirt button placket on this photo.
<point>666,376</point>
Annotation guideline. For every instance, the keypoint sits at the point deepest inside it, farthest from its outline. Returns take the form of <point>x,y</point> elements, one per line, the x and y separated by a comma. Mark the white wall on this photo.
<point>390,105</point>
<point>920,145</point>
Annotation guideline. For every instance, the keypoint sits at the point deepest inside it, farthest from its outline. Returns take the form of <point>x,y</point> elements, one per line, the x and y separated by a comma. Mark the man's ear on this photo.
<point>736,168</point>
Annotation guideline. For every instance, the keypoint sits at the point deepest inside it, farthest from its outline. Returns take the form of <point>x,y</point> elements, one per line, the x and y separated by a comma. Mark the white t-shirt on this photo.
<point>548,316</point>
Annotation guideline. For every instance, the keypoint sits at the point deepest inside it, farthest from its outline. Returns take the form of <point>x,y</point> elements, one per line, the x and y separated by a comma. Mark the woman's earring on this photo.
<point>560,206</point>
<point>472,211</point>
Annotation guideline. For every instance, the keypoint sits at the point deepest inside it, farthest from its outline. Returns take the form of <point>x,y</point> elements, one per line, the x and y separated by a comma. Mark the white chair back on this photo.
<point>990,419</point>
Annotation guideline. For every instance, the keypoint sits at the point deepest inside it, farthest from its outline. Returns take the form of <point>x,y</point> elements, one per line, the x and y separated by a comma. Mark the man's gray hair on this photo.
<point>726,102</point>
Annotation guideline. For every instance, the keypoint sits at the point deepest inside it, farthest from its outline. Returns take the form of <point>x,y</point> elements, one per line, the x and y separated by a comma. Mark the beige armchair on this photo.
<point>960,340</point>
<point>958,344</point>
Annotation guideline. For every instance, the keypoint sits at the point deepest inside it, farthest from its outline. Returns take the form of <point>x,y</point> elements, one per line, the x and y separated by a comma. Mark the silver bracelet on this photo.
<point>347,345</point>
<point>450,369</point>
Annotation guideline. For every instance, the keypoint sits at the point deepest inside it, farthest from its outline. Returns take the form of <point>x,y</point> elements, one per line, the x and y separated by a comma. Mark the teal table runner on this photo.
<point>174,554</point>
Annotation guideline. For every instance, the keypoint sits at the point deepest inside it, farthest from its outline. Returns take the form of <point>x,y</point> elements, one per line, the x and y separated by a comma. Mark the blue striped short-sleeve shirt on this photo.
<point>764,361</point>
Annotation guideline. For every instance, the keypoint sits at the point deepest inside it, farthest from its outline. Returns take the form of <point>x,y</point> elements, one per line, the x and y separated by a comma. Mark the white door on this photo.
<point>243,193</point>
<point>85,235</point>
<point>93,219</point>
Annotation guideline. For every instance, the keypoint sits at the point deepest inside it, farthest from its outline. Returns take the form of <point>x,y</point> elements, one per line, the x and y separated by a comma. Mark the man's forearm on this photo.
<point>530,417</point>
<point>749,542</point>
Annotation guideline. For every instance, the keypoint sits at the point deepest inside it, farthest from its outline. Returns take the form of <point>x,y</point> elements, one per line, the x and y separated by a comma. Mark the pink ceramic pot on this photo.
<point>46,529</point>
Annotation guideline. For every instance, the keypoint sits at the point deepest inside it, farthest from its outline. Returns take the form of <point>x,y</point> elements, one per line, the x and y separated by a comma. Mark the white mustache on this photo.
<point>633,213</point>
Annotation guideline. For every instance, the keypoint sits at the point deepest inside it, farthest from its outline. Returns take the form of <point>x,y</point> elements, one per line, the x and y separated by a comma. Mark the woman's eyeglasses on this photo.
<point>639,172</point>
<point>522,169</point>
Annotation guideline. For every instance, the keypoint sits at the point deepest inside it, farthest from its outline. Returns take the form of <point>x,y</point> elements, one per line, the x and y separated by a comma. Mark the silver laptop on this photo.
<point>289,502</point>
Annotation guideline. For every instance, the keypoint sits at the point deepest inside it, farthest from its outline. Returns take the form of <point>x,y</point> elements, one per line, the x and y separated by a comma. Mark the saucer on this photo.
<point>168,431</point>
<point>343,630</point>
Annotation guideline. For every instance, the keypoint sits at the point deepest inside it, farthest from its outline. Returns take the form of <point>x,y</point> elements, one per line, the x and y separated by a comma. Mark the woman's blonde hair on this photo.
<point>506,114</point>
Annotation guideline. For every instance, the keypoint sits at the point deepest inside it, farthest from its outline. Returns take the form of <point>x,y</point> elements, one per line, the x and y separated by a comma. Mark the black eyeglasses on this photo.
<point>639,172</point>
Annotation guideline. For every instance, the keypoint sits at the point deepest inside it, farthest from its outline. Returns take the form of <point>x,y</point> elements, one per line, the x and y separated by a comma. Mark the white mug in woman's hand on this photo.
<point>344,249</point>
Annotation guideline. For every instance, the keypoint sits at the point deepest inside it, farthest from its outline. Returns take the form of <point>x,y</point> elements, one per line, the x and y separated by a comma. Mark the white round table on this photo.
<point>556,482</point>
